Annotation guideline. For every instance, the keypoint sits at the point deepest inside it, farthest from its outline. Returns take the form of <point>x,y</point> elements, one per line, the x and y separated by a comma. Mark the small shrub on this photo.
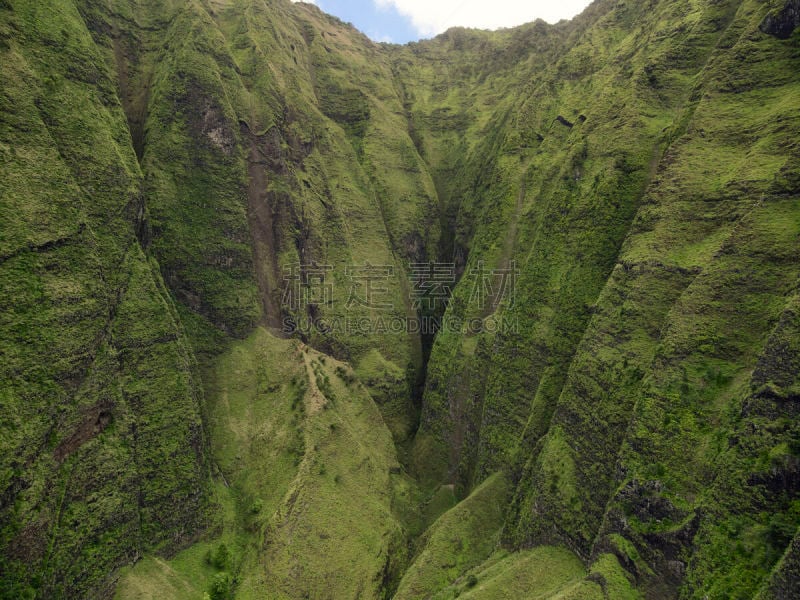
<point>256,507</point>
<point>222,558</point>
<point>345,376</point>
<point>220,587</point>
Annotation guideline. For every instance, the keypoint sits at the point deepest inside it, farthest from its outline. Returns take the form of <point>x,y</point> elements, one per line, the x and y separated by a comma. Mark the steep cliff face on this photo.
<point>216,216</point>
<point>655,260</point>
<point>102,443</point>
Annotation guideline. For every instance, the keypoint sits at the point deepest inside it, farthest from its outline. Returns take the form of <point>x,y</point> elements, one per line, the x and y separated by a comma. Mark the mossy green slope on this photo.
<point>462,538</point>
<point>102,445</point>
<point>665,433</point>
<point>624,424</point>
<point>562,393</point>
<point>625,168</point>
<point>308,467</point>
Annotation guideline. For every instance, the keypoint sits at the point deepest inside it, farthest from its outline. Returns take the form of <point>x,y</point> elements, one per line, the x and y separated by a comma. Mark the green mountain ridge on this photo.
<point>187,185</point>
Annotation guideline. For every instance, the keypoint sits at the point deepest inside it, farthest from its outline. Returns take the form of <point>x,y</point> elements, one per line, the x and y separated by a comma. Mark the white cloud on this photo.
<point>431,17</point>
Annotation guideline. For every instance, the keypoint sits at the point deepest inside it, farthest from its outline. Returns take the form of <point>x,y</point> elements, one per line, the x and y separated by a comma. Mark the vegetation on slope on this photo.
<point>623,425</point>
<point>308,472</point>
<point>102,446</point>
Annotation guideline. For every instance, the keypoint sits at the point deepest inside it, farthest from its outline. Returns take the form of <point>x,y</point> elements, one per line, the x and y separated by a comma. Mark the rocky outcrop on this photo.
<point>782,22</point>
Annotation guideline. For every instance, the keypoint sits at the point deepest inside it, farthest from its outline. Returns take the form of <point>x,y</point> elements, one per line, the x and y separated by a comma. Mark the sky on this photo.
<point>402,21</point>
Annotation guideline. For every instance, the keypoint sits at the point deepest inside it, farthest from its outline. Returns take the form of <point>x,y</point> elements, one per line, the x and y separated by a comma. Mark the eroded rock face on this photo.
<point>783,23</point>
<point>649,254</point>
<point>785,582</point>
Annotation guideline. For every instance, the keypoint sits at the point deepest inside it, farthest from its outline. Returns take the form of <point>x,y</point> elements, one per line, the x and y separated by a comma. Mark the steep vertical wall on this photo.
<point>165,165</point>
<point>170,169</point>
<point>102,444</point>
<point>644,186</point>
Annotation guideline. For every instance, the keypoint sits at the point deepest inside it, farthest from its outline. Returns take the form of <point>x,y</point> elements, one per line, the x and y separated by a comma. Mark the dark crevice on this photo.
<point>46,246</point>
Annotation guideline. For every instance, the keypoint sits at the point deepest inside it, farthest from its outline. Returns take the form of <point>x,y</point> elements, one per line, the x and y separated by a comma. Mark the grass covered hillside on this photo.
<point>223,221</point>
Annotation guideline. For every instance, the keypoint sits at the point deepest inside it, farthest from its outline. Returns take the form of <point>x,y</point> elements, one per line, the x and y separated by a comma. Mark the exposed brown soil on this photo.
<point>262,220</point>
